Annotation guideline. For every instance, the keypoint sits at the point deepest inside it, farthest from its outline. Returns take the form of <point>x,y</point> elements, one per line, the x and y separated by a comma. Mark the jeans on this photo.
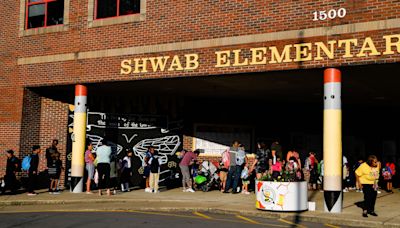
<point>186,179</point>
<point>233,176</point>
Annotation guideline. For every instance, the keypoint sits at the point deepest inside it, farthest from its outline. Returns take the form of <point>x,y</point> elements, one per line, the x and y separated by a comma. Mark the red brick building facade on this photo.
<point>85,50</point>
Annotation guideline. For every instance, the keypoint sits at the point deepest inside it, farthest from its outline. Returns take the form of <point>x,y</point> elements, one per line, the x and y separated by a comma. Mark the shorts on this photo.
<point>245,181</point>
<point>90,170</point>
<point>223,175</point>
<point>146,172</point>
<point>261,169</point>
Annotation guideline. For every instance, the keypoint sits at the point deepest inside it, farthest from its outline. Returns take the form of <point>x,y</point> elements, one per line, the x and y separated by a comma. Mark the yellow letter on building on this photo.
<point>236,54</point>
<point>223,58</point>
<point>159,62</point>
<point>140,67</point>
<point>126,66</point>
<point>329,53</point>
<point>258,56</point>
<point>303,52</point>
<point>368,45</point>
<point>192,61</point>
<point>347,43</point>
<point>276,58</point>
<point>390,44</point>
<point>175,64</point>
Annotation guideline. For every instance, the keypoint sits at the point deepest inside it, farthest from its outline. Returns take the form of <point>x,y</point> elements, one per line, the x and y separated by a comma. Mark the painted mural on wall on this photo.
<point>136,132</point>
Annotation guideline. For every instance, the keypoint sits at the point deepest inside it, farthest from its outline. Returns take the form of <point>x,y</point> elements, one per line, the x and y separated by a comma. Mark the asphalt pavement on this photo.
<point>175,201</point>
<point>143,219</point>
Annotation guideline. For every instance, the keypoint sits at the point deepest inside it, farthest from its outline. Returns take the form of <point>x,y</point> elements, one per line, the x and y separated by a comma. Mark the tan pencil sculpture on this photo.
<point>332,141</point>
<point>79,139</point>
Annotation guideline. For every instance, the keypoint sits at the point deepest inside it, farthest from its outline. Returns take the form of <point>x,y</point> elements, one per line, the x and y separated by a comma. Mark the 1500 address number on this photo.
<point>330,14</point>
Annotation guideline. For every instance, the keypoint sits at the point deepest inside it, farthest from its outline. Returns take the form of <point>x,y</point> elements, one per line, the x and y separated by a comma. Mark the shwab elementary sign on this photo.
<point>301,52</point>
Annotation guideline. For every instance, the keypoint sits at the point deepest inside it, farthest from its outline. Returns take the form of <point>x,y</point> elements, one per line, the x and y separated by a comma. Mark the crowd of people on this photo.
<point>234,171</point>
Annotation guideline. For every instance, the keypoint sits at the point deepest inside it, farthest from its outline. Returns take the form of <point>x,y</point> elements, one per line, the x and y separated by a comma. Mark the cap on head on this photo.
<point>35,147</point>
<point>10,152</point>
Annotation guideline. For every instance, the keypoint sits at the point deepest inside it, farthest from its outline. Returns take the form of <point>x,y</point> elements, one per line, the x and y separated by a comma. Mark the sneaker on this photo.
<point>184,190</point>
<point>89,192</point>
<point>379,192</point>
<point>155,192</point>
<point>372,213</point>
<point>32,194</point>
<point>189,190</point>
<point>247,193</point>
<point>345,190</point>
<point>147,190</point>
<point>56,193</point>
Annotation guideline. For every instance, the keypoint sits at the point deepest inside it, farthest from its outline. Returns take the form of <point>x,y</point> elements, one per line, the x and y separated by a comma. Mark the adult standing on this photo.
<point>276,146</point>
<point>188,159</point>
<point>233,172</point>
<point>89,164</point>
<point>368,175</point>
<point>11,168</point>
<point>260,164</point>
<point>33,170</point>
<point>311,171</point>
<point>103,153</point>
<point>50,151</point>
<point>224,167</point>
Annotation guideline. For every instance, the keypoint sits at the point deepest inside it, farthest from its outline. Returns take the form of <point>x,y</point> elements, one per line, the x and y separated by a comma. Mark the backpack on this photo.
<point>26,163</point>
<point>154,165</point>
<point>386,174</point>
<point>226,159</point>
<point>240,158</point>
<point>245,173</point>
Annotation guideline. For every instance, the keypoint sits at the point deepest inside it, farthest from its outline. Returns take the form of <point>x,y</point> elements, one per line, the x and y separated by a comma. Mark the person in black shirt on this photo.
<point>13,165</point>
<point>33,170</point>
<point>49,151</point>
<point>54,173</point>
<point>261,162</point>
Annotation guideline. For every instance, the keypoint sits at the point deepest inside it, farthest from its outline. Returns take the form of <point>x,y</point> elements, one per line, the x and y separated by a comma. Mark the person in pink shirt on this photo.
<point>276,168</point>
<point>188,159</point>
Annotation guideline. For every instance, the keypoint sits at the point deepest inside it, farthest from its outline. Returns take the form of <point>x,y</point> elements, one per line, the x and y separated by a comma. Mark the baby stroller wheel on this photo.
<point>205,188</point>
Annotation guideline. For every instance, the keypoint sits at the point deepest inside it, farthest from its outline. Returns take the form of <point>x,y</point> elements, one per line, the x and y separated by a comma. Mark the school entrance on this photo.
<point>209,112</point>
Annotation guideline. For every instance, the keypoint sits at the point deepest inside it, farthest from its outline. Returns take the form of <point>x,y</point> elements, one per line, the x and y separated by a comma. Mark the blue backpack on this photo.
<point>26,163</point>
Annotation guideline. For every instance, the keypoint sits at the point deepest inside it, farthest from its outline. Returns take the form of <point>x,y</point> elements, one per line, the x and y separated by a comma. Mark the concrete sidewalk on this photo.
<point>387,206</point>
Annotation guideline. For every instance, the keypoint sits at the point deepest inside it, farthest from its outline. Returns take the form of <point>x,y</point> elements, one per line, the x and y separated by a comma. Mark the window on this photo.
<point>43,13</point>
<point>115,8</point>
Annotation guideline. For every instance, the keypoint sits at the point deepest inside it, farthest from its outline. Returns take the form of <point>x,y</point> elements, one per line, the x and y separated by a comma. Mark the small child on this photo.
<point>55,172</point>
<point>245,180</point>
<point>126,171</point>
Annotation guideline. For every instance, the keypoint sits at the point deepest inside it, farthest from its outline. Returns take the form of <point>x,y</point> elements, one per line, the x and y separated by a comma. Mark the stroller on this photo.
<point>207,177</point>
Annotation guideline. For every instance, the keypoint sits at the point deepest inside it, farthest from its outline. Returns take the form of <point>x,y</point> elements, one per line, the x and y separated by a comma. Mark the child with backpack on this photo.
<point>388,172</point>
<point>154,163</point>
<point>32,169</point>
<point>126,171</point>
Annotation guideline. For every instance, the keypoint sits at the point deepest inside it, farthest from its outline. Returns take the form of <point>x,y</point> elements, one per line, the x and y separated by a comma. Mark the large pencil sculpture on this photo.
<point>79,139</point>
<point>332,141</point>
